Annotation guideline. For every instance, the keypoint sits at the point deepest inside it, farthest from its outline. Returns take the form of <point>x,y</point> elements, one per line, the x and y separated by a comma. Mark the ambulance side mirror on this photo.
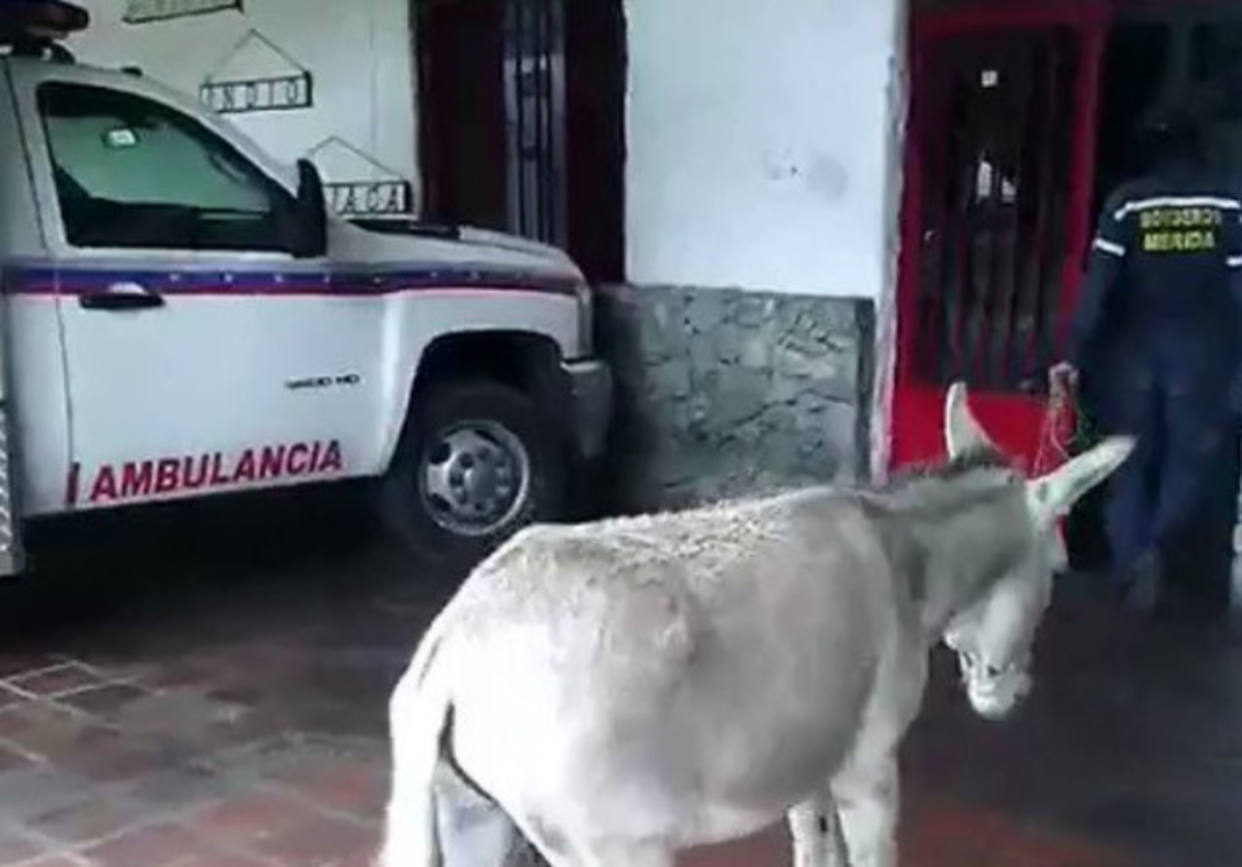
<point>308,229</point>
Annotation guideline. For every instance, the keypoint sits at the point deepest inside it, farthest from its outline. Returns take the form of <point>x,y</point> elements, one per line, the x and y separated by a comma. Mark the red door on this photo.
<point>995,215</point>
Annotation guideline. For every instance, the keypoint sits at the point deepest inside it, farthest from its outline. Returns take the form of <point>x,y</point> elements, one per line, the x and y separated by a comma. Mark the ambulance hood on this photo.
<point>402,244</point>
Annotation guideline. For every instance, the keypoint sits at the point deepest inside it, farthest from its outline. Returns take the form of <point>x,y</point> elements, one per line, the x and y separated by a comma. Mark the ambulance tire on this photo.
<point>453,429</point>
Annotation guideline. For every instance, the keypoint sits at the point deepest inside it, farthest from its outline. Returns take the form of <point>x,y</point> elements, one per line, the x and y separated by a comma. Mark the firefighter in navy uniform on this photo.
<point>1157,339</point>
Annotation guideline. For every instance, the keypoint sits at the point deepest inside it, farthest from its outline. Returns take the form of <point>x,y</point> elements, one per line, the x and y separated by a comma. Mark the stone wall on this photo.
<point>724,392</point>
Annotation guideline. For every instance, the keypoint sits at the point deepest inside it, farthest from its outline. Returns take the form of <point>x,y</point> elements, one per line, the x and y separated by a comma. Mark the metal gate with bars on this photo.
<point>534,85</point>
<point>996,167</point>
<point>521,121</point>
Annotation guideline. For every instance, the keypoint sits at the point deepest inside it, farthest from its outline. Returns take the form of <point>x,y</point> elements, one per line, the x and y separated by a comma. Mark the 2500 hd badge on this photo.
<point>344,379</point>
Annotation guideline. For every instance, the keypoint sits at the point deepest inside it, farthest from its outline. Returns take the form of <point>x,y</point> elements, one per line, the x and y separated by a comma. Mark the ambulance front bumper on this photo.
<point>591,393</point>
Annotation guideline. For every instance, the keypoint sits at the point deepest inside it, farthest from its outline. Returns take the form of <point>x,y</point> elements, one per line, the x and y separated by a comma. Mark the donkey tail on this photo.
<point>418,713</point>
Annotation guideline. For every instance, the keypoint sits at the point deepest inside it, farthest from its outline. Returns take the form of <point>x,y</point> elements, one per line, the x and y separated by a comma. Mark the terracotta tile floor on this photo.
<point>214,703</point>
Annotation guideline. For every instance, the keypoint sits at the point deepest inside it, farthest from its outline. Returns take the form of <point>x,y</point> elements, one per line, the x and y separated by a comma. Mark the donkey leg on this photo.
<point>816,831</point>
<point>547,841</point>
<point>473,830</point>
<point>866,794</point>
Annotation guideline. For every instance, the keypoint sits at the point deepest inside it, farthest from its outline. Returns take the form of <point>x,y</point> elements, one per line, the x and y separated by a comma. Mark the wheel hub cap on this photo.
<point>474,478</point>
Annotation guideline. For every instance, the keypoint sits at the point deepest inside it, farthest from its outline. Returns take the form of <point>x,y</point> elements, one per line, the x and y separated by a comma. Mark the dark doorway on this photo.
<point>1189,55</point>
<point>522,121</point>
<point>461,111</point>
<point>595,50</point>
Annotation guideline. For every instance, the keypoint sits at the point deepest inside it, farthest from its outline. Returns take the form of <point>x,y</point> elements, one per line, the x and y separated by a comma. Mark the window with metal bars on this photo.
<point>534,81</point>
<point>521,121</point>
<point>996,163</point>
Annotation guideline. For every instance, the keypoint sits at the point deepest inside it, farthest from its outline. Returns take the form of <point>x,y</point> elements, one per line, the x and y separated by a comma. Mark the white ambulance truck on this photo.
<point>182,318</point>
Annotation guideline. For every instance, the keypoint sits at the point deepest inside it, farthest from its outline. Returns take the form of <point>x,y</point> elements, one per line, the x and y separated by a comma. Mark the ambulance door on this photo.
<point>34,426</point>
<point>201,355</point>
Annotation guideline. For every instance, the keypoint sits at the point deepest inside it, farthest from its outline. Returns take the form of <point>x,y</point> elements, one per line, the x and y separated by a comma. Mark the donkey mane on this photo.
<point>916,488</point>
<point>914,501</point>
<point>983,458</point>
<point>724,531</point>
<point>973,478</point>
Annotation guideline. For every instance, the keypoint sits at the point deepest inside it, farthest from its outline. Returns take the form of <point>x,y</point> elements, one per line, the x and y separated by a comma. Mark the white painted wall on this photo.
<point>886,301</point>
<point>759,135</point>
<point>359,52</point>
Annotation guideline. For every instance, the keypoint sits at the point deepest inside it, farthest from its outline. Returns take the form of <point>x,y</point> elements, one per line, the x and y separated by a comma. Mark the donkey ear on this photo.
<point>962,433</point>
<point>1052,496</point>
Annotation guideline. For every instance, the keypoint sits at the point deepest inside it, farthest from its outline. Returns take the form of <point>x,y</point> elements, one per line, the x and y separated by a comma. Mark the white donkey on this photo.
<point>627,689</point>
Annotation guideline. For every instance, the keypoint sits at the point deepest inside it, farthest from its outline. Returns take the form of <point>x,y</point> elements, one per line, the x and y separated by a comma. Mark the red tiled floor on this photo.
<point>92,818</point>
<point>947,835</point>
<point>319,842</point>
<point>152,846</point>
<point>10,760</point>
<point>9,698</point>
<point>183,787</point>
<point>106,756</point>
<point>46,733</point>
<point>81,746</point>
<point>217,859</point>
<point>359,790</point>
<point>14,848</point>
<point>105,700</point>
<point>13,664</point>
<point>32,717</point>
<point>250,726</point>
<point>124,663</point>
<point>936,836</point>
<point>361,859</point>
<point>57,680</point>
<point>252,818</point>
<point>55,861</point>
<point>183,673</point>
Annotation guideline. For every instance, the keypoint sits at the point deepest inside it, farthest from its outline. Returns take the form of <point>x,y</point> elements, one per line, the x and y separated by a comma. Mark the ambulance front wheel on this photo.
<point>478,460</point>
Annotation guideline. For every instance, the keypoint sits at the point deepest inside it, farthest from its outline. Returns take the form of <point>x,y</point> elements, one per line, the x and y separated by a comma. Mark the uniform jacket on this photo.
<point>1162,303</point>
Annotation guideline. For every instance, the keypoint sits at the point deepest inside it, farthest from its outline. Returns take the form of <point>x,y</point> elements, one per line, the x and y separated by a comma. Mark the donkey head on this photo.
<point>993,637</point>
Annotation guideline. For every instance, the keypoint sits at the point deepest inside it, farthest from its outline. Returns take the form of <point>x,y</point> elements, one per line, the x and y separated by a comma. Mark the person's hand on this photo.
<point>1063,375</point>
<point>1062,383</point>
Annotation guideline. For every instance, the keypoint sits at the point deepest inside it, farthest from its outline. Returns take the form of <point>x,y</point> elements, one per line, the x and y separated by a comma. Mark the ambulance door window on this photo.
<point>133,173</point>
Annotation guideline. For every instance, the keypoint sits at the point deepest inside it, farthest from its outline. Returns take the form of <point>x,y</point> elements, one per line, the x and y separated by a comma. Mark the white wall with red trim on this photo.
<point>765,147</point>
<point>358,52</point>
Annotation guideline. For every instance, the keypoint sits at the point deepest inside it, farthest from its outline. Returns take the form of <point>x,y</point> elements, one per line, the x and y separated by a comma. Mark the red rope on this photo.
<point>1055,433</point>
<point>1056,430</point>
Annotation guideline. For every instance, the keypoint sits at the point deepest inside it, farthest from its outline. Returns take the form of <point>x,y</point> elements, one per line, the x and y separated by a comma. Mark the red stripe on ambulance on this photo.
<point>159,476</point>
<point>71,484</point>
